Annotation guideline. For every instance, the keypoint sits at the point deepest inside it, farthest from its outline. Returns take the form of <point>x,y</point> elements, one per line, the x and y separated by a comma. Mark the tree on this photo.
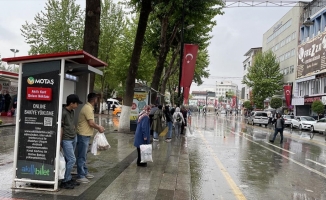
<point>318,107</point>
<point>276,103</point>
<point>59,28</point>
<point>229,94</point>
<point>220,99</point>
<point>169,19</point>
<point>264,77</point>
<point>145,9</point>
<point>247,105</point>
<point>92,31</point>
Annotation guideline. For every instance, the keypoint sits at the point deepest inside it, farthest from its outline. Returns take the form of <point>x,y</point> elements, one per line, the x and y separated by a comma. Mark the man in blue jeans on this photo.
<point>68,139</point>
<point>85,130</point>
<point>279,127</point>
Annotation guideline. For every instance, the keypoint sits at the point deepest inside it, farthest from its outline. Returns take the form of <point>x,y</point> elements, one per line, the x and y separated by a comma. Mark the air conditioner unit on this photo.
<point>308,22</point>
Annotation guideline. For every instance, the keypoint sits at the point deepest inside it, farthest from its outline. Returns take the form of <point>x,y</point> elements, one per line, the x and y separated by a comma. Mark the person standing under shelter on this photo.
<point>177,121</point>
<point>151,115</point>
<point>142,134</point>
<point>7,101</point>
<point>85,129</point>
<point>69,139</point>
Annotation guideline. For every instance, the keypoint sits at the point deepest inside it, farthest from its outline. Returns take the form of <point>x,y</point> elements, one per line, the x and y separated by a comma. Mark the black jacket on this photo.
<point>282,122</point>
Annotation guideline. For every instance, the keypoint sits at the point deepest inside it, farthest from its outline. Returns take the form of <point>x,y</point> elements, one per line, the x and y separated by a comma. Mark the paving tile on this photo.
<point>182,195</point>
<point>163,194</point>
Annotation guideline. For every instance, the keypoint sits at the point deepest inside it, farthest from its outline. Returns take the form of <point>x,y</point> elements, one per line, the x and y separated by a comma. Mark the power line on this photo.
<point>271,3</point>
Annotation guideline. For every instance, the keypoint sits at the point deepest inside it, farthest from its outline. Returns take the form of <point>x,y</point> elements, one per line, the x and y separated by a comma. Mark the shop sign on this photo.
<point>311,99</point>
<point>311,56</point>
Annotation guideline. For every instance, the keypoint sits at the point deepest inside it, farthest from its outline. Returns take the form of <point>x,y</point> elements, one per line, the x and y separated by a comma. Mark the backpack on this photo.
<point>179,118</point>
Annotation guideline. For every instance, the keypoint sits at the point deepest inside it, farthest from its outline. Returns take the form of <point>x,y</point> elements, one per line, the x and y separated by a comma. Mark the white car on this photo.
<point>303,122</point>
<point>288,119</point>
<point>319,126</point>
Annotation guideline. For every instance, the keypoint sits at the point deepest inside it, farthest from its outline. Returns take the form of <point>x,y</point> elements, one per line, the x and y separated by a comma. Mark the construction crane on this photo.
<point>271,3</point>
<point>225,77</point>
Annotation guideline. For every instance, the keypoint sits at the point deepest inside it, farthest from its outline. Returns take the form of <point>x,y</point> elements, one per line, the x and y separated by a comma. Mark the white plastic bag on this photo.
<point>62,166</point>
<point>102,142</point>
<point>146,153</point>
<point>94,145</point>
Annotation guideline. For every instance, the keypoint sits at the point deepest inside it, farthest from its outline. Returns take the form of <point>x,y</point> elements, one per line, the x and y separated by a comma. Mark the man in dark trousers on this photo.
<point>7,101</point>
<point>279,127</point>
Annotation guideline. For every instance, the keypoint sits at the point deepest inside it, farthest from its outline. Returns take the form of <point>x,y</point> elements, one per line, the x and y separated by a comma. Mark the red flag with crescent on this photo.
<point>188,64</point>
<point>287,94</point>
<point>186,91</point>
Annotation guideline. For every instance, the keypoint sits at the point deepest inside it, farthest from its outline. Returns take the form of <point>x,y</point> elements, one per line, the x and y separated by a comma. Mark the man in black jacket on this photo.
<point>279,127</point>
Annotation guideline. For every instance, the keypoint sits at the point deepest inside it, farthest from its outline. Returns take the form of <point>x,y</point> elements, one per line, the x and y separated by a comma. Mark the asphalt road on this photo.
<point>232,160</point>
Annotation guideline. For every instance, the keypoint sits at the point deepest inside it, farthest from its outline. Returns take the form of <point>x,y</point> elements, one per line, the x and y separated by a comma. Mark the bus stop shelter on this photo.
<point>45,80</point>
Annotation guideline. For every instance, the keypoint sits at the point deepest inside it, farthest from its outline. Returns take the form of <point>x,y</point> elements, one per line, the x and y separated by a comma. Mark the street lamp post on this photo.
<point>14,51</point>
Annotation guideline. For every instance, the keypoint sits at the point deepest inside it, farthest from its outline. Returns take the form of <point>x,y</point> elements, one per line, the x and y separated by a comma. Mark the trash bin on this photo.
<point>133,125</point>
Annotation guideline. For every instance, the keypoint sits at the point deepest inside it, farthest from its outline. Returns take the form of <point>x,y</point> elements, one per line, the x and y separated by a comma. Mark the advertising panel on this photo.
<point>139,102</point>
<point>311,56</point>
<point>38,121</point>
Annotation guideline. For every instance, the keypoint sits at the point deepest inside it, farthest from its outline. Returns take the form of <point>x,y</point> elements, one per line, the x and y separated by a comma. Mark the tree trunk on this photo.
<point>124,125</point>
<point>164,50</point>
<point>171,69</point>
<point>92,32</point>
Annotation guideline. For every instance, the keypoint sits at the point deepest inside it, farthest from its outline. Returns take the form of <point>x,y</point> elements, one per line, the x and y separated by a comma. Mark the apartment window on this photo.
<point>300,89</point>
<point>245,67</point>
<point>291,69</point>
<point>286,71</point>
<point>312,86</point>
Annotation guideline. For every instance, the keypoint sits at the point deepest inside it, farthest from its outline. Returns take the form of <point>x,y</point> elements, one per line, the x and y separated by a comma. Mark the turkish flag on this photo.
<point>188,64</point>
<point>287,93</point>
<point>234,101</point>
<point>186,91</point>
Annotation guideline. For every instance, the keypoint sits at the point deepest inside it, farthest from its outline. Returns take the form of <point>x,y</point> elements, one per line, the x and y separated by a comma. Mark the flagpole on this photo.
<point>181,53</point>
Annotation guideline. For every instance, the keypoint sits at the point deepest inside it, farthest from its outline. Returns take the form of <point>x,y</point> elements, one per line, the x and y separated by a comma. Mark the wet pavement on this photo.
<point>220,158</point>
<point>232,160</point>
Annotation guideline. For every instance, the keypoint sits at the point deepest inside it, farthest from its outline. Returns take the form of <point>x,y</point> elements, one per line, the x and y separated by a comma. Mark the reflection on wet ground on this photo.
<point>295,169</point>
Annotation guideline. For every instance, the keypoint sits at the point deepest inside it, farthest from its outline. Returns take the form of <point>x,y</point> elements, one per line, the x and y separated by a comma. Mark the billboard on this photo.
<point>311,56</point>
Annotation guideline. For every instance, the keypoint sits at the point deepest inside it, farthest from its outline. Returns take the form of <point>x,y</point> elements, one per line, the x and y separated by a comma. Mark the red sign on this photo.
<point>287,94</point>
<point>39,94</point>
<point>311,99</point>
<point>188,64</point>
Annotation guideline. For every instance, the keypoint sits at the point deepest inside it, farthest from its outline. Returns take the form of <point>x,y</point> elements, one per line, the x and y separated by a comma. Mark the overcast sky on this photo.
<point>238,30</point>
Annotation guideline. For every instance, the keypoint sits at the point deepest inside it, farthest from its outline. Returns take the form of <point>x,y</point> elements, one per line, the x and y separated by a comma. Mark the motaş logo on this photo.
<point>31,81</point>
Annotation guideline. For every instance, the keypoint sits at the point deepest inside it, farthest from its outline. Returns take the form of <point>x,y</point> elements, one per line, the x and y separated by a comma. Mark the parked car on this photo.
<point>288,119</point>
<point>302,122</point>
<point>113,102</point>
<point>258,117</point>
<point>319,126</point>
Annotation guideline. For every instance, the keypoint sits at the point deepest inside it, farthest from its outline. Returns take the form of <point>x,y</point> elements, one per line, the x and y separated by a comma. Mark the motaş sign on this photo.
<point>311,56</point>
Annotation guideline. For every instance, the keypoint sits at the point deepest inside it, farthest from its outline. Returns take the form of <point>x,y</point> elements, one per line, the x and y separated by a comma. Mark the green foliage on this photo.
<point>60,27</point>
<point>229,94</point>
<point>247,105</point>
<point>276,102</point>
<point>220,99</point>
<point>264,77</point>
<point>318,107</point>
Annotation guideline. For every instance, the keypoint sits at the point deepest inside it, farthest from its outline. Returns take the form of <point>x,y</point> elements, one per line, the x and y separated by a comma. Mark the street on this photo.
<point>232,160</point>
<point>228,159</point>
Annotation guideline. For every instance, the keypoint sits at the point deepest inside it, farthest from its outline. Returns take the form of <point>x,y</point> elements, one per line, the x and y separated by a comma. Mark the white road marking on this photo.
<point>279,147</point>
<point>290,159</point>
<point>316,162</point>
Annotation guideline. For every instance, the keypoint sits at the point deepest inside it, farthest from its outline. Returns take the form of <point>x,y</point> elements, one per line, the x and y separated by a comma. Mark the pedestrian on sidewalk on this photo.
<point>279,127</point>
<point>142,134</point>
<point>69,139</point>
<point>177,121</point>
<point>151,115</point>
<point>184,114</point>
<point>85,130</point>
<point>168,118</point>
<point>157,123</point>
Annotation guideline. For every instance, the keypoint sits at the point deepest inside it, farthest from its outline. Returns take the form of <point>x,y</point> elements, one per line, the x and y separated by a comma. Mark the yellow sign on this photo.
<point>133,117</point>
<point>140,96</point>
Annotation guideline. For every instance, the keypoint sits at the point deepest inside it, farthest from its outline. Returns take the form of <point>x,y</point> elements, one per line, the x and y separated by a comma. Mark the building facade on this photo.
<point>282,39</point>
<point>245,92</point>
<point>310,83</point>
<point>225,86</point>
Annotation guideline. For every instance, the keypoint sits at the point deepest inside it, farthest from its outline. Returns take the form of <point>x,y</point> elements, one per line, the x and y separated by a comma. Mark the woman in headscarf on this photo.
<point>142,134</point>
<point>157,123</point>
<point>177,121</point>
